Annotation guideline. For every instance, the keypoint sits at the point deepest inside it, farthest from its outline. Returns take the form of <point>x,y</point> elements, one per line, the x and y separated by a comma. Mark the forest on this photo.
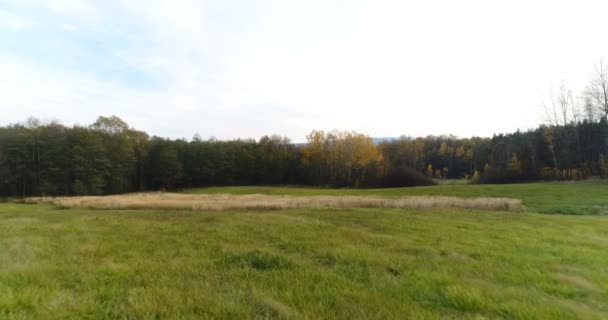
<point>110,157</point>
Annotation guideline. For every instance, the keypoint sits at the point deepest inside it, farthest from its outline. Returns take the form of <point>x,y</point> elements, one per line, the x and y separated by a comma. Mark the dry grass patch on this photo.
<point>220,202</point>
<point>575,280</point>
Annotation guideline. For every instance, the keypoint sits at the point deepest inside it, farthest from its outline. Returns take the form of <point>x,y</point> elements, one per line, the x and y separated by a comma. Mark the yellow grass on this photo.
<point>220,202</point>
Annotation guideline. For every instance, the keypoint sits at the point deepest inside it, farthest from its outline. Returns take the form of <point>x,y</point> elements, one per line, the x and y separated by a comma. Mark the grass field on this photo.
<point>313,263</point>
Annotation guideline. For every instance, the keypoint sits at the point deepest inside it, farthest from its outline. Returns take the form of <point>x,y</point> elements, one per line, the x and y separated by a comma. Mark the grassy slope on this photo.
<point>360,263</point>
<point>556,197</point>
<point>316,264</point>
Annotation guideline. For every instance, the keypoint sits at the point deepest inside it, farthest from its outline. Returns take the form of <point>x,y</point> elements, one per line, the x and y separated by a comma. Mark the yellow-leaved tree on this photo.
<point>343,156</point>
<point>314,155</point>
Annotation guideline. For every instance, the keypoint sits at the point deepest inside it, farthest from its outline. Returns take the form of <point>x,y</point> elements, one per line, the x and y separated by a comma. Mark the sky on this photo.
<point>238,68</point>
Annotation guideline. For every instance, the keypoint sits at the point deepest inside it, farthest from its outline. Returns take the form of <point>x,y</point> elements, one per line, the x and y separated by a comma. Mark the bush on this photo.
<point>496,174</point>
<point>603,164</point>
<point>476,179</point>
<point>548,174</point>
<point>405,177</point>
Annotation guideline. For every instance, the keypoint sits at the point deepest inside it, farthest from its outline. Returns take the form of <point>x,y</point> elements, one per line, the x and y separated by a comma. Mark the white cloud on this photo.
<point>13,21</point>
<point>69,27</point>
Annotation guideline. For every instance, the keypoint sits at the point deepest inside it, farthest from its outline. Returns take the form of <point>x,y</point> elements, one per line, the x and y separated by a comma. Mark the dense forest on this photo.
<point>110,157</point>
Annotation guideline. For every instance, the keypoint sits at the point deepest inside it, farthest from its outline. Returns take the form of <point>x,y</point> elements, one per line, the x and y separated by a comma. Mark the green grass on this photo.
<point>588,197</point>
<point>310,264</point>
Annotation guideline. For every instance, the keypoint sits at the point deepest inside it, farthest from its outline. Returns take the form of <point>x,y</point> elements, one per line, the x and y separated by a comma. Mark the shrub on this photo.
<point>548,173</point>
<point>438,174</point>
<point>493,174</point>
<point>476,179</point>
<point>405,177</point>
<point>603,164</point>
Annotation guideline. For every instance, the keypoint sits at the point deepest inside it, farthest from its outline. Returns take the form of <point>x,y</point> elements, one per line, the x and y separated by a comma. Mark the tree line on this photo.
<point>109,157</point>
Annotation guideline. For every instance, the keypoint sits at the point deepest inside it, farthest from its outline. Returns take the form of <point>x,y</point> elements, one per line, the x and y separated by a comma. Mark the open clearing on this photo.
<point>359,263</point>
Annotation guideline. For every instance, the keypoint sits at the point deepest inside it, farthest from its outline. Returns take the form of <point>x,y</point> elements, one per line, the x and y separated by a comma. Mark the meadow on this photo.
<point>547,261</point>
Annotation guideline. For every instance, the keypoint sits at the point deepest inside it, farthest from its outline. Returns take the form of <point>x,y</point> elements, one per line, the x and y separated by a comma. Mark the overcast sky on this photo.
<point>247,68</point>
